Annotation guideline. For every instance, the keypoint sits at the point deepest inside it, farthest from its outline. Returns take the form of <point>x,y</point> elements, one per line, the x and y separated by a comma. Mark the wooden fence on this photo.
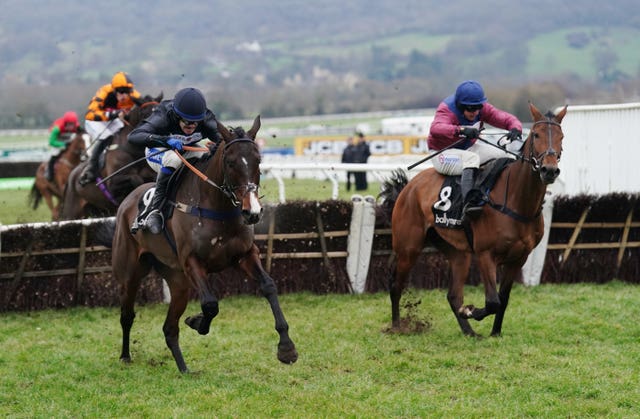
<point>304,247</point>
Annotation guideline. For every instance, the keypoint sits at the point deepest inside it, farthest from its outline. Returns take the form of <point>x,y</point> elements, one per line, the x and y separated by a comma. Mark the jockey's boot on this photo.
<point>471,196</point>
<point>48,172</point>
<point>154,221</point>
<point>90,172</point>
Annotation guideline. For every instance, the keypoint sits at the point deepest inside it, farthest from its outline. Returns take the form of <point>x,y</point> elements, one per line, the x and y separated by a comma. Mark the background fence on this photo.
<point>305,247</point>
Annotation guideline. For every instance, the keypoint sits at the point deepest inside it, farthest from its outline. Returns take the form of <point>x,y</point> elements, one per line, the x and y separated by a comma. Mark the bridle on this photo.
<point>229,189</point>
<point>536,161</point>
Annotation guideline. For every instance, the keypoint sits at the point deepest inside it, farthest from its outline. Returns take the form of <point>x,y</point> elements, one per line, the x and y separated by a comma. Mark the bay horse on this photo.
<point>53,190</point>
<point>211,229</point>
<point>509,227</point>
<point>93,199</point>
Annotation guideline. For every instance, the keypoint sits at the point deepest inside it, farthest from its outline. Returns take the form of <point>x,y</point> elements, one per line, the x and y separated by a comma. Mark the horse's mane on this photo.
<point>550,114</point>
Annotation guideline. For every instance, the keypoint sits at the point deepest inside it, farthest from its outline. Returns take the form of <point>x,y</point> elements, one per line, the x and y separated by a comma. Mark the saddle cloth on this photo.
<point>447,210</point>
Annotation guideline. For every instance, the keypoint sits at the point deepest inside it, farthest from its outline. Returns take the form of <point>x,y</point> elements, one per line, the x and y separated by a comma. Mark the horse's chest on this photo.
<point>518,242</point>
<point>220,249</point>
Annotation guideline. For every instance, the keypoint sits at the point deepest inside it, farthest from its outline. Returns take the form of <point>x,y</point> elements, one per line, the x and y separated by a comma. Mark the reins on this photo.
<point>536,163</point>
<point>228,190</point>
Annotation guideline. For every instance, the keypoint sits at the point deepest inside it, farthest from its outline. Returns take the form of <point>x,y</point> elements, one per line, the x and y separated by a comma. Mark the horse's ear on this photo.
<point>253,132</point>
<point>561,114</point>
<point>138,101</point>
<point>224,132</point>
<point>160,96</point>
<point>535,113</point>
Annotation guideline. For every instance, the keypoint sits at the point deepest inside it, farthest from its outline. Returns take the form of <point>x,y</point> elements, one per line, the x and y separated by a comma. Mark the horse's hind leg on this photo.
<point>129,285</point>
<point>407,246</point>
<point>460,263</point>
<point>287,352</point>
<point>128,272</point>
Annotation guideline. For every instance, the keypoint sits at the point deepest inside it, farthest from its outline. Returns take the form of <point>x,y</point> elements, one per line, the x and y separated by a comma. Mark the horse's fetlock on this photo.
<point>493,307</point>
<point>210,309</point>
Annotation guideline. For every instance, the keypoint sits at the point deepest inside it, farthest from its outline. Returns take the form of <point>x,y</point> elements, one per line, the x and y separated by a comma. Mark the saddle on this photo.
<point>447,210</point>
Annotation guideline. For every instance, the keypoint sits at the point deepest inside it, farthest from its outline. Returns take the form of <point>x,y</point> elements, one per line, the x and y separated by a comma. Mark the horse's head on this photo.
<point>545,143</point>
<point>241,167</point>
<point>144,107</point>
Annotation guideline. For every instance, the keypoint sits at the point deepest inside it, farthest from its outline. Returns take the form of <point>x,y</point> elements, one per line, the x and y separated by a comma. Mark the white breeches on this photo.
<point>99,130</point>
<point>453,161</point>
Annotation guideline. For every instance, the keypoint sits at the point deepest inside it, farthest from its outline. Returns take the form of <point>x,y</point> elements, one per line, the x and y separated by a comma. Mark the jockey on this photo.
<point>104,118</point>
<point>183,120</point>
<point>462,116</point>
<point>61,128</point>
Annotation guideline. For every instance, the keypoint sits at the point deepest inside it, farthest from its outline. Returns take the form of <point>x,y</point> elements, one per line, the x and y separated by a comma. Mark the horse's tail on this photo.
<point>35,197</point>
<point>390,190</point>
<point>105,232</point>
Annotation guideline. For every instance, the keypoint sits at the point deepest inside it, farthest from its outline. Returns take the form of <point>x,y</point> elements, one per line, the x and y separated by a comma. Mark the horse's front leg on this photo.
<point>487,267</point>
<point>251,266</point>
<point>460,263</point>
<point>510,275</point>
<point>208,301</point>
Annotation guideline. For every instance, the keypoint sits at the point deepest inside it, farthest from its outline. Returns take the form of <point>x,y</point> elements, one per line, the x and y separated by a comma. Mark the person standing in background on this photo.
<point>347,157</point>
<point>361,154</point>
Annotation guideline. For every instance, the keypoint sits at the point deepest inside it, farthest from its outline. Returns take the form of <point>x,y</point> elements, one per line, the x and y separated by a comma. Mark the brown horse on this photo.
<point>509,227</point>
<point>209,231</point>
<point>102,199</point>
<point>68,159</point>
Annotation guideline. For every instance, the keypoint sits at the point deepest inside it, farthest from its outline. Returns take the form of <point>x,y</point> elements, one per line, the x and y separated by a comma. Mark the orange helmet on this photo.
<point>121,82</point>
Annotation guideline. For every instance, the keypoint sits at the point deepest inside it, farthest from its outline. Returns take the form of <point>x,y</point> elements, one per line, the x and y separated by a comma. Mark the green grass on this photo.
<point>14,208</point>
<point>566,351</point>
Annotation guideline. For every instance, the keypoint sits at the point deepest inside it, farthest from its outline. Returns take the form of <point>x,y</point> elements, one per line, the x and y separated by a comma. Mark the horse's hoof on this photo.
<point>287,354</point>
<point>125,360</point>
<point>466,312</point>
<point>194,321</point>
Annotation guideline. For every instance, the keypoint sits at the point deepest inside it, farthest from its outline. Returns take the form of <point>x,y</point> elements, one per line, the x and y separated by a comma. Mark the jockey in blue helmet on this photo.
<point>462,116</point>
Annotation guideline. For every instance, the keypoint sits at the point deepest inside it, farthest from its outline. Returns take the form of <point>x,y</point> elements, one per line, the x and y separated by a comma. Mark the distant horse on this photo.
<point>93,199</point>
<point>510,225</point>
<point>210,230</point>
<point>68,159</point>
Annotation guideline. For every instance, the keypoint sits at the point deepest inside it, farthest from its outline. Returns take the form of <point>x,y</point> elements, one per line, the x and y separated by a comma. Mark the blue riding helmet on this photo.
<point>470,93</point>
<point>190,105</point>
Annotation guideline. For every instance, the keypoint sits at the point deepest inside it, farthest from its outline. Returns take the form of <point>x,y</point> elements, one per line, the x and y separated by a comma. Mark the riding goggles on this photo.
<point>472,108</point>
<point>189,123</point>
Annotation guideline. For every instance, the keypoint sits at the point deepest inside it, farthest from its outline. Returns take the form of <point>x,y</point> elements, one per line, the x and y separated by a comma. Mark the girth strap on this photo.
<point>197,211</point>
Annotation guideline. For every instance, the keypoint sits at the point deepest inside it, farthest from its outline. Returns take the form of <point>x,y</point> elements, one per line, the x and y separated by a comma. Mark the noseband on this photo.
<point>230,190</point>
<point>536,161</point>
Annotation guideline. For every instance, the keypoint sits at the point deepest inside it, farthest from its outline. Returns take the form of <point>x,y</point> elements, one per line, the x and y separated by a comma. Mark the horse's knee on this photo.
<point>126,319</point>
<point>268,286</point>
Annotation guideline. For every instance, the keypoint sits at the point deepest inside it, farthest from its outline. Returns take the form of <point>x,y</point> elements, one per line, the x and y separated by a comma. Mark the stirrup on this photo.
<point>472,210</point>
<point>86,177</point>
<point>154,222</point>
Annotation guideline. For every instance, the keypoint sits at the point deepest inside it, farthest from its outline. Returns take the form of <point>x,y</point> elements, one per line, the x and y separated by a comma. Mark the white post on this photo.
<point>360,241</point>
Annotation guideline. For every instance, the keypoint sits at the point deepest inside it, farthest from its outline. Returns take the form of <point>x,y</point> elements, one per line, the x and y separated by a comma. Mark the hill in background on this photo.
<point>294,57</point>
